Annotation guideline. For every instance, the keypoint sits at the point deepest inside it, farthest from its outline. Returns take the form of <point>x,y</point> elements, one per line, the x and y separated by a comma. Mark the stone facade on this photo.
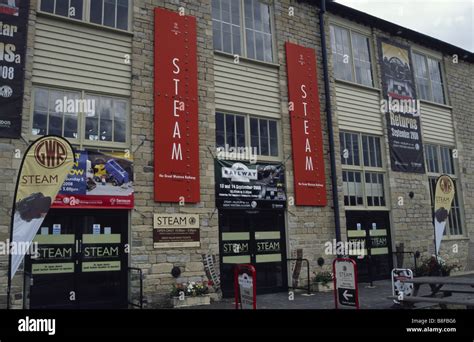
<point>307,228</point>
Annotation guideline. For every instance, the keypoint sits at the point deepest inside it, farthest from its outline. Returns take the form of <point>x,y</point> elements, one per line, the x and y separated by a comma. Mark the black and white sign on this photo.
<point>399,288</point>
<point>401,108</point>
<point>13,32</point>
<point>345,278</point>
<point>246,291</point>
<point>241,185</point>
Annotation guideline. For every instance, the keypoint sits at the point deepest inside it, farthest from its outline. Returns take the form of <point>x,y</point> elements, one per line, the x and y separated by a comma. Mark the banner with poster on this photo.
<point>43,170</point>
<point>98,180</point>
<point>241,185</point>
<point>401,108</point>
<point>444,195</point>
<point>13,36</point>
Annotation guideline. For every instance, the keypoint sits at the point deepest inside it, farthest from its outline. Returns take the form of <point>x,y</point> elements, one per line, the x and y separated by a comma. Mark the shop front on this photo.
<point>82,245</point>
<point>251,201</point>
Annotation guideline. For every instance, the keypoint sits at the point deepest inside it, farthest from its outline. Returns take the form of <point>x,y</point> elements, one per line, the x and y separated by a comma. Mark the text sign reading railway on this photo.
<point>346,292</point>
<point>176,108</point>
<point>306,135</point>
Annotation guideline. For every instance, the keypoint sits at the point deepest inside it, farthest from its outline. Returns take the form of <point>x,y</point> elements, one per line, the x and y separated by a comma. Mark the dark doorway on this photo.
<point>82,260</point>
<point>373,228</point>
<point>254,237</point>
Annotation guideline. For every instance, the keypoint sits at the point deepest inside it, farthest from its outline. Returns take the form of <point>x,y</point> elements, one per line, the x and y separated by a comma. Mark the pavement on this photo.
<point>369,298</point>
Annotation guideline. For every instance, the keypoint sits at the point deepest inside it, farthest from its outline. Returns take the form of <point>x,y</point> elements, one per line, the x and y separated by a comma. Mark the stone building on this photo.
<point>106,52</point>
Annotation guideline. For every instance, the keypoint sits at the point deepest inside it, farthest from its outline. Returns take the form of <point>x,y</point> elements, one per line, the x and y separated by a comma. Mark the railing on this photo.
<point>308,288</point>
<point>140,300</point>
<point>416,255</point>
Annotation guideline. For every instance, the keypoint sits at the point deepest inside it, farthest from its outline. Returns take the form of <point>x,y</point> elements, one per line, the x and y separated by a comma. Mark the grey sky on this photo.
<point>449,20</point>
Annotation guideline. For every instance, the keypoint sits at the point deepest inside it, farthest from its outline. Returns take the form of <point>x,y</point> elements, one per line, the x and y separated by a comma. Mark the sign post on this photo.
<point>245,287</point>
<point>346,291</point>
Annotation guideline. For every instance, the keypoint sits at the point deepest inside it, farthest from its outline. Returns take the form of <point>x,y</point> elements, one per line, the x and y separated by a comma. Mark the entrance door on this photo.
<point>254,237</point>
<point>82,260</point>
<point>373,228</point>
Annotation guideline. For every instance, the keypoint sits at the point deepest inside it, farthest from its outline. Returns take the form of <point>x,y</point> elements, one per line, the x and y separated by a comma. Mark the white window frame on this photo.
<point>86,16</point>
<point>81,121</point>
<point>368,169</point>
<point>455,177</point>
<point>438,59</point>
<point>247,117</point>
<point>368,36</point>
<point>243,36</point>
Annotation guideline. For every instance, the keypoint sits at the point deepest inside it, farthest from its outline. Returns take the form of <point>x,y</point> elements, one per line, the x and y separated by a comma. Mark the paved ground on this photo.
<point>369,298</point>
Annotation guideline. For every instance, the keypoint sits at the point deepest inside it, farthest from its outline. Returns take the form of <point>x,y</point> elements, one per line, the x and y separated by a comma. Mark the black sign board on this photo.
<point>347,297</point>
<point>13,32</point>
<point>241,185</point>
<point>401,108</point>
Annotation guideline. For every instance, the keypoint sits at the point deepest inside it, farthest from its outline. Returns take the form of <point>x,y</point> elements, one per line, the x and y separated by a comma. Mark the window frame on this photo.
<point>335,22</point>
<point>363,169</point>
<point>454,176</point>
<point>262,158</point>
<point>86,16</point>
<point>439,59</point>
<point>82,142</point>
<point>243,35</point>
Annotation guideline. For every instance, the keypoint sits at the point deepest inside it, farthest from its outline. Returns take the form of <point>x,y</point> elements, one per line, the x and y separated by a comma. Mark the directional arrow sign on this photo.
<point>345,280</point>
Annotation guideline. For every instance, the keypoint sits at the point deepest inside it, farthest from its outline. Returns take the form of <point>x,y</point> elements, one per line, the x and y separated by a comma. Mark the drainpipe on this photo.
<point>332,152</point>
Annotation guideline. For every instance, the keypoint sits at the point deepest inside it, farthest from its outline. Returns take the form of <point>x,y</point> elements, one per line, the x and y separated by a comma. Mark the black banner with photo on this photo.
<point>13,36</point>
<point>401,108</point>
<point>241,185</point>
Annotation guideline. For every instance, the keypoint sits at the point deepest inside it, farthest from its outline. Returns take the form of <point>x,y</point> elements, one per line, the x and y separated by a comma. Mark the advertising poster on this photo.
<point>242,185</point>
<point>444,195</point>
<point>45,166</point>
<point>306,134</point>
<point>176,147</point>
<point>401,108</point>
<point>98,180</point>
<point>13,29</point>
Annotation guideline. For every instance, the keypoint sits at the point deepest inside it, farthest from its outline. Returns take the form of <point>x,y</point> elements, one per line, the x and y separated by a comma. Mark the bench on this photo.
<point>450,290</point>
<point>469,303</point>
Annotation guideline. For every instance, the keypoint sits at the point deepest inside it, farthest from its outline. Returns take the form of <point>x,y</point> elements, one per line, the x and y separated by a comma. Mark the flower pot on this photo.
<point>320,287</point>
<point>191,301</point>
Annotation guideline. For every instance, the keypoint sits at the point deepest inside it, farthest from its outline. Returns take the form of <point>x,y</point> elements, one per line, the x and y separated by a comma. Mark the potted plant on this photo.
<point>435,267</point>
<point>323,282</point>
<point>190,294</point>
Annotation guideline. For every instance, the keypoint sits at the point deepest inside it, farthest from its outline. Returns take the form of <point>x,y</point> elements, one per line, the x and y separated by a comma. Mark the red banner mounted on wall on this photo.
<point>306,135</point>
<point>176,108</point>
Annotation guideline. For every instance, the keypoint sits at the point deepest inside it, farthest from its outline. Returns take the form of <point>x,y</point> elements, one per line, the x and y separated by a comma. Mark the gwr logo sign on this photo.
<point>51,153</point>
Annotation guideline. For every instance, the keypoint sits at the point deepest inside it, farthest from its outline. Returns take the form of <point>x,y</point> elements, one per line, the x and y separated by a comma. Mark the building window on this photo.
<point>439,160</point>
<point>351,56</point>
<point>85,118</point>
<point>428,78</point>
<point>363,172</point>
<point>262,135</point>
<point>250,36</point>
<point>111,13</point>
<point>66,8</point>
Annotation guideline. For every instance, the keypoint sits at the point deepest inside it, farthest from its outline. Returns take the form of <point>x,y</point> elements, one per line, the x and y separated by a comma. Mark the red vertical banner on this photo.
<point>176,146</point>
<point>306,135</point>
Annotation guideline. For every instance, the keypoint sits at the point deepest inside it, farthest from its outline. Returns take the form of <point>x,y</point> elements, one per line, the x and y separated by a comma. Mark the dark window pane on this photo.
<point>254,135</point>
<point>259,45</point>
<point>240,125</point>
<point>122,14</point>
<point>105,129</point>
<point>250,44</point>
<point>216,35</point>
<point>273,139</point>
<point>96,11</point>
<point>39,123</point>
<point>120,129</point>
<point>77,6</point>
<point>257,15</point>
<point>216,9</point>
<point>62,7</point>
<point>70,126</point>
<point>55,123</point>
<point>225,10</point>
<point>236,40</point>
<point>109,13</point>
<point>264,137</point>
<point>47,6</point>
<point>220,134</point>
<point>92,126</point>
<point>230,130</point>
<point>235,12</point>
<point>41,100</point>
<point>226,36</point>
<point>248,14</point>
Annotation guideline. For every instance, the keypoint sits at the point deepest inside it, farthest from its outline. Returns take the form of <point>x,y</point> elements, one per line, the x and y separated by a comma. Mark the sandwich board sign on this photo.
<point>346,292</point>
<point>399,288</point>
<point>245,287</point>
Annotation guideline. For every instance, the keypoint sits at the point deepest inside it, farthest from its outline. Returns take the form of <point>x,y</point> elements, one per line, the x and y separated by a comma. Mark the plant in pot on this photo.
<point>190,294</point>
<point>323,282</point>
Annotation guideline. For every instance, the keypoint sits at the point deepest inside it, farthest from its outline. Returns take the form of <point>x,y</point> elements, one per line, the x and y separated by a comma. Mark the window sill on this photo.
<point>357,85</point>
<point>245,59</point>
<point>455,238</point>
<point>84,23</point>
<point>362,208</point>
<point>436,104</point>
